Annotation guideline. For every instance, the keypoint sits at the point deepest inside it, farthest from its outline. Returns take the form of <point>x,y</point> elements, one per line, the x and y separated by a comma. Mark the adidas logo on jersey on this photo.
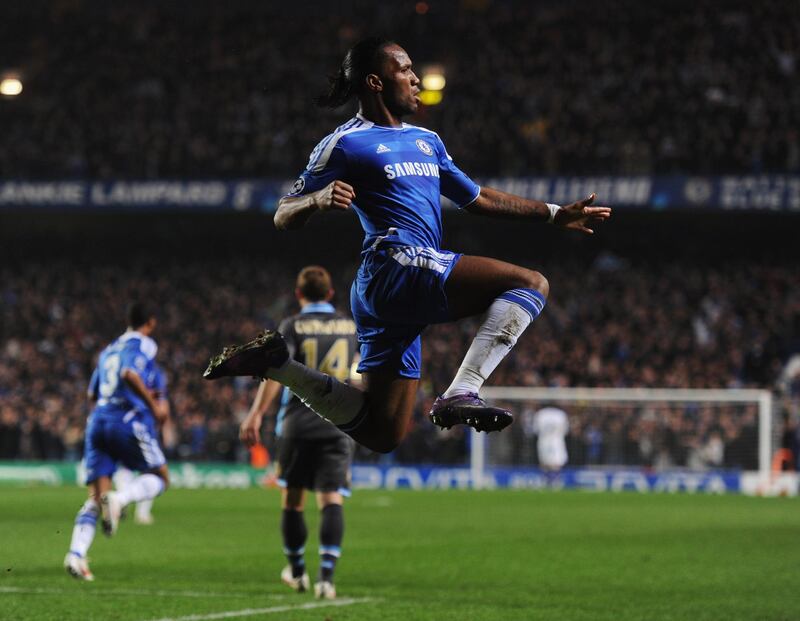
<point>382,148</point>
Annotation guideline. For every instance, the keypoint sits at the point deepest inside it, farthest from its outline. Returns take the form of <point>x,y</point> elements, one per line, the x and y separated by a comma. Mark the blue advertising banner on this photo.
<point>601,480</point>
<point>756,192</point>
<point>371,476</point>
<point>780,193</point>
<point>213,195</point>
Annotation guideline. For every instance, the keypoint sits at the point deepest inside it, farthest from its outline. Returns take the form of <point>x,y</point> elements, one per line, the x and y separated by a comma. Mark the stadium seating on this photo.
<point>544,88</point>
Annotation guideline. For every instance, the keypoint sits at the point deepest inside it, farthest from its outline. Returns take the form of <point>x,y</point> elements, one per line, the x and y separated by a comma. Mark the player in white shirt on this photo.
<point>551,426</point>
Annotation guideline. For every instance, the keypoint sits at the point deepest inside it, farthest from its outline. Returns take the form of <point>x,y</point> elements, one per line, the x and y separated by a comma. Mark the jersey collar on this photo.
<point>131,334</point>
<point>361,117</point>
<point>317,307</point>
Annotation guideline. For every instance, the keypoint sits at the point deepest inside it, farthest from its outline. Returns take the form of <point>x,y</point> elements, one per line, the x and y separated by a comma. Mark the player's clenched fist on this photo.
<point>294,210</point>
<point>337,195</point>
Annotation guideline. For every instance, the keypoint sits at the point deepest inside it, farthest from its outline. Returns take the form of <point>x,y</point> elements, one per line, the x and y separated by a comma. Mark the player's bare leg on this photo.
<point>98,487</point>
<point>512,297</point>
<point>329,498</point>
<point>390,400</point>
<point>476,282</point>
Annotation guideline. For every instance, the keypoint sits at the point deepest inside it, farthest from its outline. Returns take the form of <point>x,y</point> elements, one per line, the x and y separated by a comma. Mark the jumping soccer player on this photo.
<point>392,175</point>
<point>156,382</point>
<point>312,453</point>
<point>122,429</point>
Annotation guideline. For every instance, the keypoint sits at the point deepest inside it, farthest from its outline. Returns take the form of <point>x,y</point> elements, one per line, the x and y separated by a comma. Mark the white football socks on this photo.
<point>506,320</point>
<point>123,477</point>
<point>143,487</point>
<point>333,400</point>
<point>144,508</point>
<point>84,529</point>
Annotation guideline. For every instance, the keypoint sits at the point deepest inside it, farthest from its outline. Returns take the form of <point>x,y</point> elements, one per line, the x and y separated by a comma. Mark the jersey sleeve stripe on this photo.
<point>315,154</point>
<point>325,155</point>
<point>320,148</point>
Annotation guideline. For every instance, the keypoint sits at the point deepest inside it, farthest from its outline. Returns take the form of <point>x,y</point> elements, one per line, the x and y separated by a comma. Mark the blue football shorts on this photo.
<point>129,438</point>
<point>399,290</point>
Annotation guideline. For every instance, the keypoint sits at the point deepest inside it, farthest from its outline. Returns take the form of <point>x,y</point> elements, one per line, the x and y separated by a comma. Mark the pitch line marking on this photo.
<point>143,592</point>
<point>249,612</point>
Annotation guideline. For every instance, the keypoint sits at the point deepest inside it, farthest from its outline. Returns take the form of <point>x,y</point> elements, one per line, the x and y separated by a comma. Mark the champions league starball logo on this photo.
<point>424,147</point>
<point>298,186</point>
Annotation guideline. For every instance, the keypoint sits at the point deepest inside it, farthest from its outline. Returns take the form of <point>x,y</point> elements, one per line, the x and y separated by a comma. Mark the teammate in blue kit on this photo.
<point>156,383</point>
<point>121,429</point>
<point>392,175</point>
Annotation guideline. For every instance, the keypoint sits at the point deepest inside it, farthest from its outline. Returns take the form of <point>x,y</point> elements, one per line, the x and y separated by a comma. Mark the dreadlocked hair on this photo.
<point>360,60</point>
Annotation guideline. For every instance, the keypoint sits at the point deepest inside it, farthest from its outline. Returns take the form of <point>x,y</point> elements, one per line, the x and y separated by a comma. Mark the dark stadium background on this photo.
<point>210,91</point>
<point>143,157</point>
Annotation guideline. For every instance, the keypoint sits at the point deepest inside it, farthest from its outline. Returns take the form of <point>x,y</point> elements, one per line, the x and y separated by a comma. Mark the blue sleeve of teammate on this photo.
<point>134,357</point>
<point>324,166</point>
<point>455,185</point>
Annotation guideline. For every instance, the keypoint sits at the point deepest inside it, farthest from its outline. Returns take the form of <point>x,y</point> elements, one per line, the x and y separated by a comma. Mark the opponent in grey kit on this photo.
<point>312,453</point>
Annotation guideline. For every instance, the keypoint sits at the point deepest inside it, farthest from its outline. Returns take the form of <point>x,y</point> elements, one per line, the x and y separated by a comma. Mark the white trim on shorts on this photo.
<point>151,451</point>
<point>419,256</point>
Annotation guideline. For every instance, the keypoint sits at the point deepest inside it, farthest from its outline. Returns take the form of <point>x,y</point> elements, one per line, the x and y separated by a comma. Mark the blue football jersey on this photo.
<point>399,175</point>
<point>132,350</point>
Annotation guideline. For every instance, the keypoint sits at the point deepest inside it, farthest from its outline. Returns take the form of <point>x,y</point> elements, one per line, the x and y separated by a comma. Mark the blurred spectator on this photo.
<point>790,442</point>
<point>52,332</point>
<point>164,90</point>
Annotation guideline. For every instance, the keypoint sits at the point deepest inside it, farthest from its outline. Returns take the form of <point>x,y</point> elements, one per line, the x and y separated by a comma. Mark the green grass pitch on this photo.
<point>216,554</point>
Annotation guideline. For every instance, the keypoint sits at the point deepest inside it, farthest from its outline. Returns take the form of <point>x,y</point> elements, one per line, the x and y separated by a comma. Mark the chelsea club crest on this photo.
<point>424,147</point>
<point>298,186</point>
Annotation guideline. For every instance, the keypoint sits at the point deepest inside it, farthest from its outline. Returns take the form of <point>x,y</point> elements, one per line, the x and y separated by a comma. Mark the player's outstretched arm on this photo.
<point>579,215</point>
<point>294,211</point>
<point>249,430</point>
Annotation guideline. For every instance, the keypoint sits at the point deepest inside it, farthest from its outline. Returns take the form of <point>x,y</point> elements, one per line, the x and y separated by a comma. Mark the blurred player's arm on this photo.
<point>94,389</point>
<point>250,429</point>
<point>498,204</point>
<point>162,411</point>
<point>132,379</point>
<point>160,395</point>
<point>294,211</point>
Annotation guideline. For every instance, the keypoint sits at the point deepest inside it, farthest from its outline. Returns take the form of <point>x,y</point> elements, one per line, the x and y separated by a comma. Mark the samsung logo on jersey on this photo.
<point>325,326</point>
<point>417,169</point>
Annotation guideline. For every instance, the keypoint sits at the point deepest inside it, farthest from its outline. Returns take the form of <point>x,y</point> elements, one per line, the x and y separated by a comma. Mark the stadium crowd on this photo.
<point>226,89</point>
<point>680,326</point>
